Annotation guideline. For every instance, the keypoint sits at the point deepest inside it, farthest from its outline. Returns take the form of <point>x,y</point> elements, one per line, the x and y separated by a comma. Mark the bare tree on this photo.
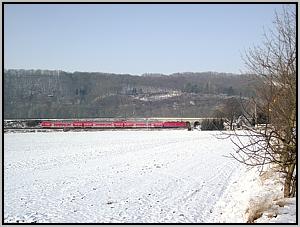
<point>230,110</point>
<point>274,63</point>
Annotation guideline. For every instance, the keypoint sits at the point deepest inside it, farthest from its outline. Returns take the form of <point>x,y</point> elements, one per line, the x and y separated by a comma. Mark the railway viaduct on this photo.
<point>193,121</point>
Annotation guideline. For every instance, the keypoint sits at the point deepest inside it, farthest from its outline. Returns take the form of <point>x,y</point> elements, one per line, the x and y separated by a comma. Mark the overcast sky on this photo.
<point>133,38</point>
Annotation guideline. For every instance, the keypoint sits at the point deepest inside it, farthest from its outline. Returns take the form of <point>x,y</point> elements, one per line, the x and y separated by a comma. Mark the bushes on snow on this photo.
<point>212,124</point>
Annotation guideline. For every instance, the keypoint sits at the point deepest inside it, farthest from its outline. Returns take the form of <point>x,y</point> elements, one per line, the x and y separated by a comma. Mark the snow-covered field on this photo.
<point>119,176</point>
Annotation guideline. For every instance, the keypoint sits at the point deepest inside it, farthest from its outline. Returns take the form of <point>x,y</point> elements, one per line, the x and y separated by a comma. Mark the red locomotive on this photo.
<point>115,124</point>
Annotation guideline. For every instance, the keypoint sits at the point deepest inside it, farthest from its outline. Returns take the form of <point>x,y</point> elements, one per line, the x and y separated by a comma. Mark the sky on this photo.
<point>133,38</point>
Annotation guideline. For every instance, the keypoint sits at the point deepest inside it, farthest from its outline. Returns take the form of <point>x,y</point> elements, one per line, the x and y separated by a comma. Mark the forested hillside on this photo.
<point>58,94</point>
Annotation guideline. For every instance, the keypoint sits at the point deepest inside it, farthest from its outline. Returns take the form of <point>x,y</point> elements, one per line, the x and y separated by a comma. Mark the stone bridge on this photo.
<point>193,121</point>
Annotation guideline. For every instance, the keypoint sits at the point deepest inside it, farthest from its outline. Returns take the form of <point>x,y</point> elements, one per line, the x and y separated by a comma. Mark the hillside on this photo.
<point>59,94</point>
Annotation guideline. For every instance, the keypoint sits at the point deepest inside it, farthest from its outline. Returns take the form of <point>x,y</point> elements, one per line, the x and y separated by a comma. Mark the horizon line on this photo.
<point>131,74</point>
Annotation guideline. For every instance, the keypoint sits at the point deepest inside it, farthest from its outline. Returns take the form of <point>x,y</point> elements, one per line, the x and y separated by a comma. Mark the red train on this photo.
<point>115,124</point>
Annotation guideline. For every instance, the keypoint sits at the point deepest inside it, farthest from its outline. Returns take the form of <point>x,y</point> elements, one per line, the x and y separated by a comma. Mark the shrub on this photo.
<point>33,123</point>
<point>214,124</point>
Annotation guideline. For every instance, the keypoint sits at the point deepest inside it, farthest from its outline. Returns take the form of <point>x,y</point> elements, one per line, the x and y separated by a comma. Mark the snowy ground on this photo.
<point>121,176</point>
<point>255,199</point>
